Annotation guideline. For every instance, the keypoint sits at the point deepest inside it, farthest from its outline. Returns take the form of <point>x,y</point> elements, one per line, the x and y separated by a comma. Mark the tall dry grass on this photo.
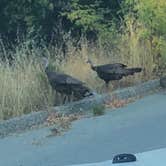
<point>129,48</point>
<point>128,52</point>
<point>24,86</point>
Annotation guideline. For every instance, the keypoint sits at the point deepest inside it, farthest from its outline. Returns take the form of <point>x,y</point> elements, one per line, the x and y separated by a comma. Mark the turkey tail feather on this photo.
<point>137,69</point>
<point>131,71</point>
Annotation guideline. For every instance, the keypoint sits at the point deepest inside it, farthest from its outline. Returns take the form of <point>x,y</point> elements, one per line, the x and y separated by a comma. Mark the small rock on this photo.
<point>163,82</point>
<point>54,132</point>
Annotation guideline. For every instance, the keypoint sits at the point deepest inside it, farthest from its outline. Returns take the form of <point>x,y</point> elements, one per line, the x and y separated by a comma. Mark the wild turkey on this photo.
<point>110,72</point>
<point>66,84</point>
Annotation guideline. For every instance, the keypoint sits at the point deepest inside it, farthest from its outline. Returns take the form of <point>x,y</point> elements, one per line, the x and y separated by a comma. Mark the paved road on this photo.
<point>138,127</point>
<point>150,158</point>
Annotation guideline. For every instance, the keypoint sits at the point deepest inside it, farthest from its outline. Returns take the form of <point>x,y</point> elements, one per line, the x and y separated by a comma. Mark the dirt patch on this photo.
<point>61,122</point>
<point>115,102</point>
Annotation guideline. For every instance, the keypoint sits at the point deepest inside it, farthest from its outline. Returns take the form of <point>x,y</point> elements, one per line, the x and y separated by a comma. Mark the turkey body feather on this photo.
<point>66,84</point>
<point>116,71</point>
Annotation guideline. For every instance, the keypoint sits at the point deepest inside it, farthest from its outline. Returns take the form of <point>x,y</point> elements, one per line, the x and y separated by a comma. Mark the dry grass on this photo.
<point>76,65</point>
<point>22,90</point>
<point>24,87</point>
<point>131,49</point>
<point>117,103</point>
<point>61,122</point>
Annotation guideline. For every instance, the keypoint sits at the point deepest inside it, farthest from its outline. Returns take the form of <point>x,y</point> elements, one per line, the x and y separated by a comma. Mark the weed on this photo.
<point>98,110</point>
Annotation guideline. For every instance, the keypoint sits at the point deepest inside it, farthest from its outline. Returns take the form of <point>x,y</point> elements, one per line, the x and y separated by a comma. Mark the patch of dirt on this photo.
<point>114,102</point>
<point>61,122</point>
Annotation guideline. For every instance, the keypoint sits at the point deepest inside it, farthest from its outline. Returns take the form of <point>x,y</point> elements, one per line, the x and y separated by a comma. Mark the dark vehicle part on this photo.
<point>122,158</point>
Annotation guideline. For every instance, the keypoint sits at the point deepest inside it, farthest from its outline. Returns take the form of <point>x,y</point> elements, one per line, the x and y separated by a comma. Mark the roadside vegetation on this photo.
<point>98,110</point>
<point>69,32</point>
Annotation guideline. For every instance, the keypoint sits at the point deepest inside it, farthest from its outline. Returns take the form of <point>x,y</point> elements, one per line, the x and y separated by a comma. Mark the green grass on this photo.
<point>98,110</point>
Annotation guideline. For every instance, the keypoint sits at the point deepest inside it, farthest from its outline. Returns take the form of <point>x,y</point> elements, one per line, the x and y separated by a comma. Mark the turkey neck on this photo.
<point>48,72</point>
<point>92,66</point>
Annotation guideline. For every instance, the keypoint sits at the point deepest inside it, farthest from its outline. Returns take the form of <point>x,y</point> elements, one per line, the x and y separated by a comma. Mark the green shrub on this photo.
<point>98,110</point>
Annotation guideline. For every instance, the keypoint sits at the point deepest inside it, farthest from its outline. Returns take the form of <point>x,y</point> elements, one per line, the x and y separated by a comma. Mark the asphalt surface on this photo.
<point>150,158</point>
<point>136,128</point>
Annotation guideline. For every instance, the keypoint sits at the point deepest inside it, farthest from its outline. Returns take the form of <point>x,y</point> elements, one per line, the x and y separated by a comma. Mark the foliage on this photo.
<point>145,21</point>
<point>152,14</point>
<point>94,17</point>
<point>32,18</point>
<point>44,18</point>
<point>98,110</point>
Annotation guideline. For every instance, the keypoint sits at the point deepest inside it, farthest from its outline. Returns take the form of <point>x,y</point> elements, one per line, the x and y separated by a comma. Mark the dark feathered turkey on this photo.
<point>116,71</point>
<point>66,84</point>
